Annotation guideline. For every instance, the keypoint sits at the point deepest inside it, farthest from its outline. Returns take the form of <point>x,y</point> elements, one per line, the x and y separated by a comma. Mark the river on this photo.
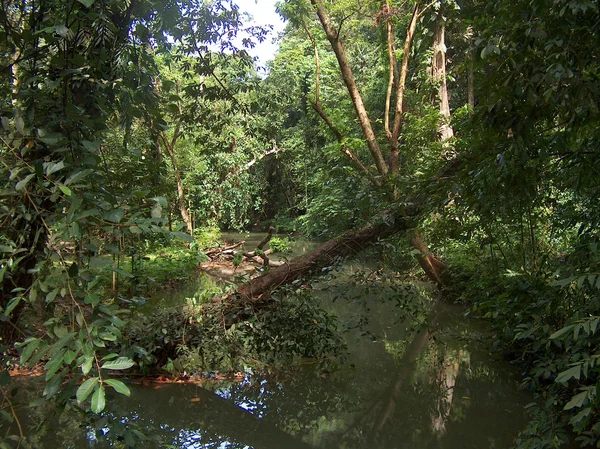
<point>393,388</point>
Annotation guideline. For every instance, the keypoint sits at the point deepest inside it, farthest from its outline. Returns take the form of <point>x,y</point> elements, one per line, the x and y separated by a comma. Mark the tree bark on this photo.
<point>350,82</point>
<point>439,76</point>
<point>185,215</point>
<point>471,77</point>
<point>393,134</point>
<point>352,242</point>
<point>428,262</point>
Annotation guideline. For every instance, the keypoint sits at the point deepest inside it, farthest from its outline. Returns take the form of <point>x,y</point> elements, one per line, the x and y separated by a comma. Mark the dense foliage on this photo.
<point>132,132</point>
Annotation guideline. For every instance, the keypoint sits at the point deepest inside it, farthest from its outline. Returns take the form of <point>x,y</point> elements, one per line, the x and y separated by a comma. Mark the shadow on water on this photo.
<point>398,386</point>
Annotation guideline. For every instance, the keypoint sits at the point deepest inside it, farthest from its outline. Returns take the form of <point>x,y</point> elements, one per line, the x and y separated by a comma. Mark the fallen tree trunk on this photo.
<point>384,225</point>
<point>352,242</point>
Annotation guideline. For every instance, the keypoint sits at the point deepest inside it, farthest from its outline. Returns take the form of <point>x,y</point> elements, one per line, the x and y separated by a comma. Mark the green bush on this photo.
<point>549,327</point>
<point>280,245</point>
<point>193,341</point>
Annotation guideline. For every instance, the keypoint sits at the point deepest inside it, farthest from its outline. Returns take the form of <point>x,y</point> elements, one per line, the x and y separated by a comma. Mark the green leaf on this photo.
<point>119,364</point>
<point>161,200</point>
<point>55,363</point>
<point>65,190</point>
<point>98,401</point>
<point>12,304</point>
<point>86,388</point>
<point>86,366</point>
<point>114,216</point>
<point>561,332</point>
<point>53,386</point>
<point>576,401</point>
<point>87,3</point>
<point>4,378</point>
<point>23,182</point>
<point>182,236</point>
<point>20,125</point>
<point>73,270</point>
<point>53,168</point>
<point>573,372</point>
<point>119,386</point>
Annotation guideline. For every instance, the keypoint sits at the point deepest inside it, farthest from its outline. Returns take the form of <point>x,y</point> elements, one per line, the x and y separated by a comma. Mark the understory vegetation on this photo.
<point>459,136</point>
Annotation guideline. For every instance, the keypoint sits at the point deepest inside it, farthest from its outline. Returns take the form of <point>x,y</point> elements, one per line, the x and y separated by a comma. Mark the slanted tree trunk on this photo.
<point>428,262</point>
<point>393,130</point>
<point>352,242</point>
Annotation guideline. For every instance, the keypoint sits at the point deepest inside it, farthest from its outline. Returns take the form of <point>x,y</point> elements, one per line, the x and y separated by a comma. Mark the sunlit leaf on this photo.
<point>120,363</point>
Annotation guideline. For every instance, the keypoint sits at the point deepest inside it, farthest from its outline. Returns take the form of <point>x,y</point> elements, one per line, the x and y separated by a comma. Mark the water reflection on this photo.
<point>430,389</point>
<point>402,385</point>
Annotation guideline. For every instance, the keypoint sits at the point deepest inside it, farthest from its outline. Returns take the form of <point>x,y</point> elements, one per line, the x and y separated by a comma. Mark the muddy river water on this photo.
<point>388,390</point>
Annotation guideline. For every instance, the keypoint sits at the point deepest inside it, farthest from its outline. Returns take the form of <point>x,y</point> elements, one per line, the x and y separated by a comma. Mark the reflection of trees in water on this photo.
<point>420,391</point>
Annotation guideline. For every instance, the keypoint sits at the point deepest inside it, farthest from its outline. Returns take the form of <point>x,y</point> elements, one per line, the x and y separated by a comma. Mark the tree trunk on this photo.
<point>430,265</point>
<point>185,215</point>
<point>328,254</point>
<point>471,78</point>
<point>439,76</point>
<point>350,82</point>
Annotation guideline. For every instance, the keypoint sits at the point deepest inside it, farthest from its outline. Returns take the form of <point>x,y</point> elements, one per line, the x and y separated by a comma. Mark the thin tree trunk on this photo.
<point>185,215</point>
<point>439,76</point>
<point>471,77</point>
<point>350,82</point>
<point>393,134</point>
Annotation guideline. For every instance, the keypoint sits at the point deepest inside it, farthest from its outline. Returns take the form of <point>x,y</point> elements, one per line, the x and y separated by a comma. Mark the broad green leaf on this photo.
<point>23,182</point>
<point>86,366</point>
<point>65,190</point>
<point>183,236</point>
<point>87,3</point>
<point>4,378</point>
<point>573,372</point>
<point>20,125</point>
<point>561,332</point>
<point>120,363</point>
<point>14,302</point>
<point>91,146</point>
<point>119,386</point>
<point>50,297</point>
<point>53,168</point>
<point>62,31</point>
<point>161,200</point>
<point>98,401</point>
<point>55,363</point>
<point>94,300</point>
<point>114,216</point>
<point>86,388</point>
<point>576,401</point>
<point>52,387</point>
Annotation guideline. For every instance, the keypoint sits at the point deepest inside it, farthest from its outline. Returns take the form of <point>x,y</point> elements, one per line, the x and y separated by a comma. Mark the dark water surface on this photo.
<point>394,388</point>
